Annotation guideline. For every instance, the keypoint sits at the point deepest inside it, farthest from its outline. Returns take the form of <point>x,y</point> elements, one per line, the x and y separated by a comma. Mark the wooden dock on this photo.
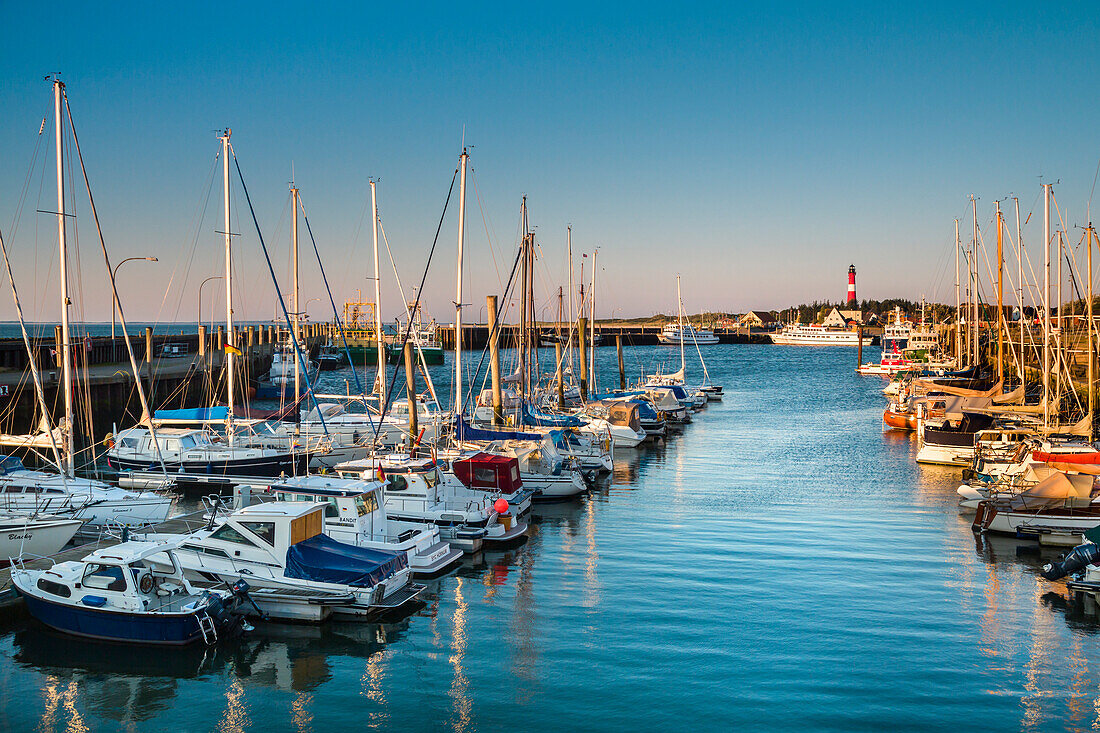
<point>11,605</point>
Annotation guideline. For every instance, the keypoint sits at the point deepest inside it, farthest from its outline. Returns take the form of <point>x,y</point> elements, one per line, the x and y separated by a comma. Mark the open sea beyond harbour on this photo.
<point>780,564</point>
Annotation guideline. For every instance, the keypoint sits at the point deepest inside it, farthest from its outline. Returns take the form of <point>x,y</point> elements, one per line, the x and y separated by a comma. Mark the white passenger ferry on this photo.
<point>813,335</point>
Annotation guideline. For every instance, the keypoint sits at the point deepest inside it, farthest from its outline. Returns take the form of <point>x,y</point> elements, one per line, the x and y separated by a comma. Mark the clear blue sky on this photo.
<point>755,151</point>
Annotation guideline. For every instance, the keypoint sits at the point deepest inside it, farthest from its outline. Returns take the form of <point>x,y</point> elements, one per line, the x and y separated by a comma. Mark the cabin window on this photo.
<point>484,476</point>
<point>431,478</point>
<point>366,503</point>
<point>331,508</point>
<point>228,534</point>
<point>264,530</point>
<point>206,550</point>
<point>104,577</point>
<point>172,446</point>
<point>53,588</point>
<point>130,443</point>
<point>515,474</point>
<point>187,442</point>
<point>398,483</point>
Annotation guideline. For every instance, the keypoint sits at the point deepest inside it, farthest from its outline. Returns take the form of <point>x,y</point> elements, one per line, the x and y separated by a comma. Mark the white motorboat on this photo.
<point>97,504</point>
<point>294,570</point>
<point>34,535</point>
<point>467,516</point>
<point>355,514</point>
<point>132,592</point>
<point>541,468</point>
<point>619,419</point>
<point>675,334</point>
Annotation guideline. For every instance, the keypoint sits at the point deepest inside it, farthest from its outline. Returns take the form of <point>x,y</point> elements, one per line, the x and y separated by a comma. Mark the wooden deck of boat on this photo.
<point>10,600</point>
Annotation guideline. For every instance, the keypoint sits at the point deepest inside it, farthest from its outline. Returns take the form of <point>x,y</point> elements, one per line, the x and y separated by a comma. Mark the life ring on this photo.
<point>146,583</point>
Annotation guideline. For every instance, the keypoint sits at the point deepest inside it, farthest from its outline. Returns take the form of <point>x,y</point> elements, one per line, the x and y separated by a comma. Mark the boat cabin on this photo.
<point>131,576</point>
<point>349,504</point>
<point>488,472</point>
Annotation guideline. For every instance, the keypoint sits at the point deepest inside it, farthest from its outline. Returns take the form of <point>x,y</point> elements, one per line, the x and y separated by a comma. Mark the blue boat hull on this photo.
<point>174,629</point>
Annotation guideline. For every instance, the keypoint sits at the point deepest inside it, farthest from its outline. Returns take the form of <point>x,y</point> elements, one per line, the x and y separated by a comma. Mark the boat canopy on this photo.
<point>533,416</point>
<point>645,409</point>
<point>468,432</point>
<point>194,414</point>
<point>324,560</point>
<point>9,464</point>
<point>489,471</point>
<point>624,414</point>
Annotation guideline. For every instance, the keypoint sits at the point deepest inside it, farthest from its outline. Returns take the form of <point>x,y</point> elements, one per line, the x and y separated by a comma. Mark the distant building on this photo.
<point>842,319</point>
<point>759,319</point>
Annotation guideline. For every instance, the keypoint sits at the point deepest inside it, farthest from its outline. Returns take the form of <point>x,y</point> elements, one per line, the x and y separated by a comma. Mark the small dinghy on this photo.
<point>132,592</point>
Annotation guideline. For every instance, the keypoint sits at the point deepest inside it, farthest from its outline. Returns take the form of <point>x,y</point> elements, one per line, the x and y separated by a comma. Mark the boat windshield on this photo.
<point>9,464</point>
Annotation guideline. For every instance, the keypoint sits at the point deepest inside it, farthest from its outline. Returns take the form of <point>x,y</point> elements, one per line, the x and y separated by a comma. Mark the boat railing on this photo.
<point>19,562</point>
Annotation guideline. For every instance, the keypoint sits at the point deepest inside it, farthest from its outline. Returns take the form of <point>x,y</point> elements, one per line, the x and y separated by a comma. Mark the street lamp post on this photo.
<point>216,277</point>
<point>114,289</point>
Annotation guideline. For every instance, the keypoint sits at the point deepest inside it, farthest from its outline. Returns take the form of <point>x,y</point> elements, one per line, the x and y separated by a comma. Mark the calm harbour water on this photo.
<point>782,563</point>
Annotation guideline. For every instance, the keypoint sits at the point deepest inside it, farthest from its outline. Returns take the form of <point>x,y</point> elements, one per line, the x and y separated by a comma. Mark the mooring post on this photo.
<point>149,359</point>
<point>582,351</point>
<point>202,342</point>
<point>558,374</point>
<point>622,367</point>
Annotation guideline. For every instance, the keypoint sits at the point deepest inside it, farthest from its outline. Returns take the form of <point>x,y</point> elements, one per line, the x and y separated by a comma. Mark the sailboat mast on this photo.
<point>592,326</point>
<point>1000,295</point>
<point>1046,305</point>
<point>974,281</point>
<point>569,289</point>
<point>958,303</point>
<point>680,319</point>
<point>1058,332</point>
<point>294,285</point>
<point>1020,281</point>
<point>66,350</point>
<point>1091,353</point>
<point>229,333</point>
<point>458,286</point>
<point>380,344</point>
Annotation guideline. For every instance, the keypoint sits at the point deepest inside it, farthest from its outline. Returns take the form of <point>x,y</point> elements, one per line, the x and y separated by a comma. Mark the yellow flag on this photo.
<point>232,350</point>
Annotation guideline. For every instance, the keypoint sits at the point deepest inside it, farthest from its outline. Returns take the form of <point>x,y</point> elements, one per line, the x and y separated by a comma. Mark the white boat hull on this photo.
<point>34,536</point>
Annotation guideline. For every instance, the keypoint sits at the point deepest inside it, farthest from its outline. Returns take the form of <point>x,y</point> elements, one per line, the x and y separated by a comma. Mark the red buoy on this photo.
<point>501,505</point>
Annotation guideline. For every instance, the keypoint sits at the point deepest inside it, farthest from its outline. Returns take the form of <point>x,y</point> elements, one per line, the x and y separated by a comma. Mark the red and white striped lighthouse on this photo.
<point>851,285</point>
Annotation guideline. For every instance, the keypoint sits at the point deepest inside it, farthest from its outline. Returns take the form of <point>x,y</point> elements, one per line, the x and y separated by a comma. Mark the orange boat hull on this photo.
<point>899,420</point>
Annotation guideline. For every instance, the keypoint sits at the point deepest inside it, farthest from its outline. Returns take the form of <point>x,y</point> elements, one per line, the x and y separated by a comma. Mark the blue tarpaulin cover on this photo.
<point>323,559</point>
<point>534,416</point>
<point>196,414</point>
<point>468,432</point>
<point>645,410</point>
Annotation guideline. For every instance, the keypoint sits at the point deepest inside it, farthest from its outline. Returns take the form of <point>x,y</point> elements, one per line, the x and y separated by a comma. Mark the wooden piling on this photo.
<point>582,335</point>
<point>149,361</point>
<point>622,367</point>
<point>558,375</point>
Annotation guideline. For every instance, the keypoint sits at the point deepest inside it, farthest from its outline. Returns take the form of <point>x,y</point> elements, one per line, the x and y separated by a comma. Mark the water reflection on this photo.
<point>140,684</point>
<point>460,684</point>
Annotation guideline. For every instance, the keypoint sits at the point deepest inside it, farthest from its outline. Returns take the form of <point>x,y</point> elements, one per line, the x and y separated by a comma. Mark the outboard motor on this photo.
<point>1076,559</point>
